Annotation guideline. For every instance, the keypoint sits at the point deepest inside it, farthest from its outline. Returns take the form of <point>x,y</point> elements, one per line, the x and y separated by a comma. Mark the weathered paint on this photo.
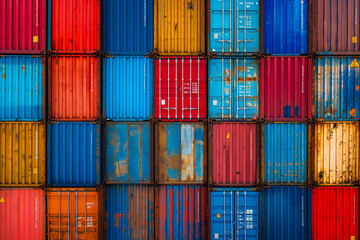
<point>22,154</point>
<point>286,88</point>
<point>234,214</point>
<point>336,159</point>
<point>335,27</point>
<point>128,26</point>
<point>285,158</point>
<point>234,26</point>
<point>74,88</point>
<point>72,213</point>
<point>128,153</point>
<point>23,26</point>
<point>23,81</point>
<point>286,213</point>
<point>234,154</point>
<point>22,214</point>
<point>180,152</point>
<point>286,26</point>
<point>128,88</point>
<point>337,88</point>
<point>129,212</point>
<point>179,27</point>
<point>74,26</point>
<point>335,213</point>
<point>180,212</point>
<point>180,88</point>
<point>73,154</point>
<point>234,88</point>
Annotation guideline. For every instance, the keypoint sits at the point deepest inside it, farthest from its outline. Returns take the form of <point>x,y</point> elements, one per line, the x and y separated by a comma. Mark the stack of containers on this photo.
<point>127,110</point>
<point>179,115</point>
<point>22,119</point>
<point>234,112</point>
<point>335,134</point>
<point>74,110</point>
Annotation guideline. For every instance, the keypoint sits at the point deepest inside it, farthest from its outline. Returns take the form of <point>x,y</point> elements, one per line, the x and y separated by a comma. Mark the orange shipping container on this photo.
<point>74,88</point>
<point>72,213</point>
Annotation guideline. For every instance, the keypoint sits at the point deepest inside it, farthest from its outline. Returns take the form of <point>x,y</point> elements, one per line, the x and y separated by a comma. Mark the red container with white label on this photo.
<point>180,88</point>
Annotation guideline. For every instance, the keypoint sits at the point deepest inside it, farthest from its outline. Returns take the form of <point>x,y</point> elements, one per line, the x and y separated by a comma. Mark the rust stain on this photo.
<point>353,112</point>
<point>357,88</point>
<point>23,68</point>
<point>4,76</point>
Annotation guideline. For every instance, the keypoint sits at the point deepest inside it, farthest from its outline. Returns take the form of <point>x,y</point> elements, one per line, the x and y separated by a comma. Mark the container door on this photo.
<point>221,217</point>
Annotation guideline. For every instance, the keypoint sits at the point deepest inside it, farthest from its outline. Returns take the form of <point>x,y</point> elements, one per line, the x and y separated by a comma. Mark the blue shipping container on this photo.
<point>73,154</point>
<point>337,88</point>
<point>285,152</point>
<point>234,26</point>
<point>286,27</point>
<point>129,212</point>
<point>234,88</point>
<point>234,213</point>
<point>128,153</point>
<point>128,27</point>
<point>22,87</point>
<point>286,213</point>
<point>128,88</point>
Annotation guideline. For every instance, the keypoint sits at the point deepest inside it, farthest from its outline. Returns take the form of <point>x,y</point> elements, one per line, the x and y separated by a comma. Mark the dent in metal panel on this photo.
<point>128,88</point>
<point>285,148</point>
<point>337,88</point>
<point>336,153</point>
<point>129,212</point>
<point>23,83</point>
<point>128,153</point>
<point>128,27</point>
<point>286,27</point>
<point>234,88</point>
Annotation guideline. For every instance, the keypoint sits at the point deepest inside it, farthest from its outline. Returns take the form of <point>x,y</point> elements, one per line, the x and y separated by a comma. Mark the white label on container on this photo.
<point>215,102</point>
<point>216,236</point>
<point>162,102</point>
<point>216,35</point>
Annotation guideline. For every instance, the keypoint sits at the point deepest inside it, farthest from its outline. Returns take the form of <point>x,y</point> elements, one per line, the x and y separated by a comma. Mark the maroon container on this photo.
<point>23,26</point>
<point>285,88</point>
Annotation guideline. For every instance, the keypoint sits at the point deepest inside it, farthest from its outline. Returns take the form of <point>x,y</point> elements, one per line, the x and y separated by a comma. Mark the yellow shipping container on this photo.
<point>22,154</point>
<point>179,27</point>
<point>336,155</point>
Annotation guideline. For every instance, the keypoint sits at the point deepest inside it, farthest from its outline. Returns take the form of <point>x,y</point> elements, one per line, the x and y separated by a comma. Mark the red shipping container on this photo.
<point>22,214</point>
<point>23,26</point>
<point>75,26</point>
<point>180,88</point>
<point>74,88</point>
<point>335,213</point>
<point>234,154</point>
<point>285,88</point>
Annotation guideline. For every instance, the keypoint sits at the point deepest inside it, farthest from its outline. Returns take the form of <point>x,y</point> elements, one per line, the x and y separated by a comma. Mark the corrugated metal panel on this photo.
<point>74,88</point>
<point>73,154</point>
<point>128,26</point>
<point>23,81</point>
<point>286,213</point>
<point>22,154</point>
<point>335,27</point>
<point>335,213</point>
<point>74,26</point>
<point>286,27</point>
<point>234,153</point>
<point>180,152</point>
<point>234,88</point>
<point>179,27</point>
<point>128,153</point>
<point>234,214</point>
<point>336,158</point>
<point>129,212</point>
<point>181,212</point>
<point>128,88</point>
<point>337,88</point>
<point>286,88</point>
<point>72,213</point>
<point>234,26</point>
<point>23,26</point>
<point>180,88</point>
<point>285,153</point>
